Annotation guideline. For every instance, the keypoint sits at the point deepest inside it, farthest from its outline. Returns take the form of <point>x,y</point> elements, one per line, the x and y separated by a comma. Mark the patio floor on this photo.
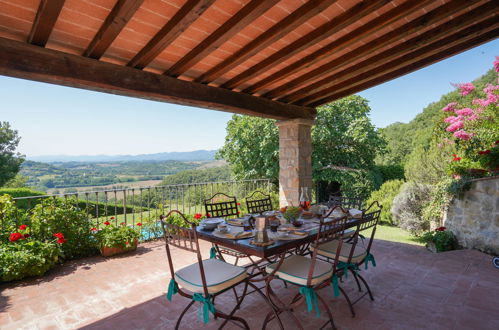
<point>413,288</point>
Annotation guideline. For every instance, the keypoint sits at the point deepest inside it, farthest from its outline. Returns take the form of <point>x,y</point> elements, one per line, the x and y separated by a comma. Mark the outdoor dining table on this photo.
<point>276,251</point>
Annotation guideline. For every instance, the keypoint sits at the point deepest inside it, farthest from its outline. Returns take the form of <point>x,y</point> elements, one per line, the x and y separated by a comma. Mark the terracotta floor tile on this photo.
<point>413,289</point>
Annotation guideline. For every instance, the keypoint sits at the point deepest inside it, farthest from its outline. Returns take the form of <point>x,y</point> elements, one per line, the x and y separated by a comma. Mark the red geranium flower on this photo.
<point>208,215</point>
<point>440,229</point>
<point>112,218</point>
<point>93,229</point>
<point>484,152</point>
<point>126,243</point>
<point>59,235</point>
<point>26,235</point>
<point>238,212</point>
<point>61,240</point>
<point>122,223</point>
<point>15,236</point>
<point>107,223</point>
<point>238,204</point>
<point>22,227</point>
<point>139,224</point>
<point>198,216</point>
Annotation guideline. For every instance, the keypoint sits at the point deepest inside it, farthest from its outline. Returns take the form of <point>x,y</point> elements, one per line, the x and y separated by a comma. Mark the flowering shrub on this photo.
<point>443,239</point>
<point>65,218</point>
<point>473,127</point>
<point>117,236</point>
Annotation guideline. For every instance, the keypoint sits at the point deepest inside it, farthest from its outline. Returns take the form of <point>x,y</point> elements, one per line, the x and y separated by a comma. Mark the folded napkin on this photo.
<point>354,213</point>
<point>299,232</point>
<point>237,222</point>
<point>239,235</point>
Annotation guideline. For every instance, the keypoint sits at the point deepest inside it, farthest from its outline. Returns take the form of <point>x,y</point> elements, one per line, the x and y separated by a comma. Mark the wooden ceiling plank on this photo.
<point>119,16</point>
<point>46,16</point>
<point>428,19</point>
<point>276,32</point>
<point>364,31</point>
<point>182,19</point>
<point>462,45</point>
<point>439,32</point>
<point>338,23</point>
<point>22,60</point>
<point>232,26</point>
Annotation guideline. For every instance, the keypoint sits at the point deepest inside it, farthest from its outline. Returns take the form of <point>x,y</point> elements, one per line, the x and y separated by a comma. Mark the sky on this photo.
<point>57,120</point>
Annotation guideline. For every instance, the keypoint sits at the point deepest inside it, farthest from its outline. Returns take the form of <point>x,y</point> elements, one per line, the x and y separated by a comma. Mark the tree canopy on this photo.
<point>10,160</point>
<point>342,135</point>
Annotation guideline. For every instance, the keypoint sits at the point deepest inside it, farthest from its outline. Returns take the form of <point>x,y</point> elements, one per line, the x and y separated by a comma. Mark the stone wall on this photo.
<point>474,216</point>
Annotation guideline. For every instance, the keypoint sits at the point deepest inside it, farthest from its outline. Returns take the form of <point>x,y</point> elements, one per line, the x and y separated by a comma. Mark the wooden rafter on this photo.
<point>122,12</point>
<point>322,32</point>
<point>461,46</point>
<point>46,16</point>
<point>236,23</point>
<point>22,60</point>
<point>277,31</point>
<point>364,31</point>
<point>422,45</point>
<point>170,31</point>
<point>392,37</point>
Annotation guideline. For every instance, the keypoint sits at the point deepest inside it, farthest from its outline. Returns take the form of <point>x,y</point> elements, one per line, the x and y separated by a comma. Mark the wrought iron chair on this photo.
<point>309,273</point>
<point>223,206</point>
<point>353,254</point>
<point>255,205</point>
<point>346,202</point>
<point>203,280</point>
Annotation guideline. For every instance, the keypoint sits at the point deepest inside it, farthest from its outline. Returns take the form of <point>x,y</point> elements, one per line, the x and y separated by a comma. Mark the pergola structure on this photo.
<point>271,58</point>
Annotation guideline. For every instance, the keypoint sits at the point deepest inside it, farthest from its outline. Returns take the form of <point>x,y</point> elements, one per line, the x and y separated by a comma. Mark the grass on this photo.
<point>395,234</point>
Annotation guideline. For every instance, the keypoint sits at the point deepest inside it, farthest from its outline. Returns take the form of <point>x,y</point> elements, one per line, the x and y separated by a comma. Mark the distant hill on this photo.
<point>179,156</point>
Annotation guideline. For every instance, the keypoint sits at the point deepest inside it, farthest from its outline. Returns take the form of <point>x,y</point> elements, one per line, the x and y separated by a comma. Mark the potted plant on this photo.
<point>116,239</point>
<point>291,213</point>
<point>439,240</point>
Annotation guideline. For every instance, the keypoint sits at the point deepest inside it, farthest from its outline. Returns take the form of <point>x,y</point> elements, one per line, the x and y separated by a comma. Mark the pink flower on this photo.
<point>465,88</point>
<point>465,112</point>
<point>451,119</point>
<point>461,134</point>
<point>473,117</point>
<point>489,88</point>
<point>496,64</point>
<point>481,102</point>
<point>455,126</point>
<point>492,98</point>
<point>449,107</point>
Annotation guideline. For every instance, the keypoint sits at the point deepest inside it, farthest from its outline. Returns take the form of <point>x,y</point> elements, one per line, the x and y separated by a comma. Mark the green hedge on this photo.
<point>22,192</point>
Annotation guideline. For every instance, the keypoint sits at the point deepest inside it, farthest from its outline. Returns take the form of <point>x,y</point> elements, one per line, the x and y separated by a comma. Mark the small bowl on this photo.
<point>298,223</point>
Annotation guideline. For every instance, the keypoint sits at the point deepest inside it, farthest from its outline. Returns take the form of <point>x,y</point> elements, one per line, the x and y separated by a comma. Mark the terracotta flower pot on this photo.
<point>111,251</point>
<point>477,171</point>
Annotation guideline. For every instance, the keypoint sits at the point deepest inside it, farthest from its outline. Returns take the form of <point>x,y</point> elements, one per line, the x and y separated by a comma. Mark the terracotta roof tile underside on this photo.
<point>303,53</point>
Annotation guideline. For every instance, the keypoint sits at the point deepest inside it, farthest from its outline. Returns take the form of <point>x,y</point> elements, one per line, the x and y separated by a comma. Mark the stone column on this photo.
<point>295,159</point>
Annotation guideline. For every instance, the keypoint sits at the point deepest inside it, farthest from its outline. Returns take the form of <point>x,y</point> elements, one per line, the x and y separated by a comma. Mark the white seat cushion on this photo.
<point>219,276</point>
<point>329,250</point>
<point>348,233</point>
<point>295,269</point>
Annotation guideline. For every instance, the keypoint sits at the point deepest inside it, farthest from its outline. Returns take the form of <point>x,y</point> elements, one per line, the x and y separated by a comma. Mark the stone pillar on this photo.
<point>295,159</point>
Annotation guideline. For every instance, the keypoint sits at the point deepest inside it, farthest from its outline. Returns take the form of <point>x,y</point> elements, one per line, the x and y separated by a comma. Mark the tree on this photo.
<point>342,135</point>
<point>10,161</point>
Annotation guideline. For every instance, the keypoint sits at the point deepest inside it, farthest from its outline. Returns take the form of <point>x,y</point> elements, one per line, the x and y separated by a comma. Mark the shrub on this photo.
<point>114,236</point>
<point>408,205</point>
<point>58,215</point>
<point>443,239</point>
<point>391,172</point>
<point>10,217</point>
<point>385,196</point>
<point>26,258</point>
<point>22,192</point>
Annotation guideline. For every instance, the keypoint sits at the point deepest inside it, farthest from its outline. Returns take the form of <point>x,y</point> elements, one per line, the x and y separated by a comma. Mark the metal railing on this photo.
<point>144,204</point>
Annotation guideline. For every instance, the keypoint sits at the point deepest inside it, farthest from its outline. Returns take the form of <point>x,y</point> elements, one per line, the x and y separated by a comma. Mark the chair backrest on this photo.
<point>328,231</point>
<point>184,238</point>
<point>347,202</point>
<point>256,204</point>
<point>221,205</point>
<point>369,221</point>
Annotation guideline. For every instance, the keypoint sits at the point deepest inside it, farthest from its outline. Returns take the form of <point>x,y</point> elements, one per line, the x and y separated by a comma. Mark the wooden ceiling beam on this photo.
<point>276,32</point>
<point>119,16</point>
<point>434,17</point>
<point>22,60</point>
<point>46,16</point>
<point>182,19</point>
<point>250,12</point>
<point>461,46</point>
<point>338,23</point>
<point>440,34</point>
<point>373,26</point>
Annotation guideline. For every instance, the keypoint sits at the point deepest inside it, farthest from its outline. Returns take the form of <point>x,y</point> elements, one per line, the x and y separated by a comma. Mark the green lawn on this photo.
<point>395,234</point>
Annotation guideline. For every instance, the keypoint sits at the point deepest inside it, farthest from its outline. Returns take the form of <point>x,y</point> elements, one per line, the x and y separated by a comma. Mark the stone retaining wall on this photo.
<point>474,217</point>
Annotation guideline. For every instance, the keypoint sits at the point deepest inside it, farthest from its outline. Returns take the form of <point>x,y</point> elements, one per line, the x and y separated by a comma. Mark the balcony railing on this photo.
<point>145,204</point>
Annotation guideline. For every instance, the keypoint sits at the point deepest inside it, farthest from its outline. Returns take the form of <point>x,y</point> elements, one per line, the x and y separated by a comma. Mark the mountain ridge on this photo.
<point>161,156</point>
